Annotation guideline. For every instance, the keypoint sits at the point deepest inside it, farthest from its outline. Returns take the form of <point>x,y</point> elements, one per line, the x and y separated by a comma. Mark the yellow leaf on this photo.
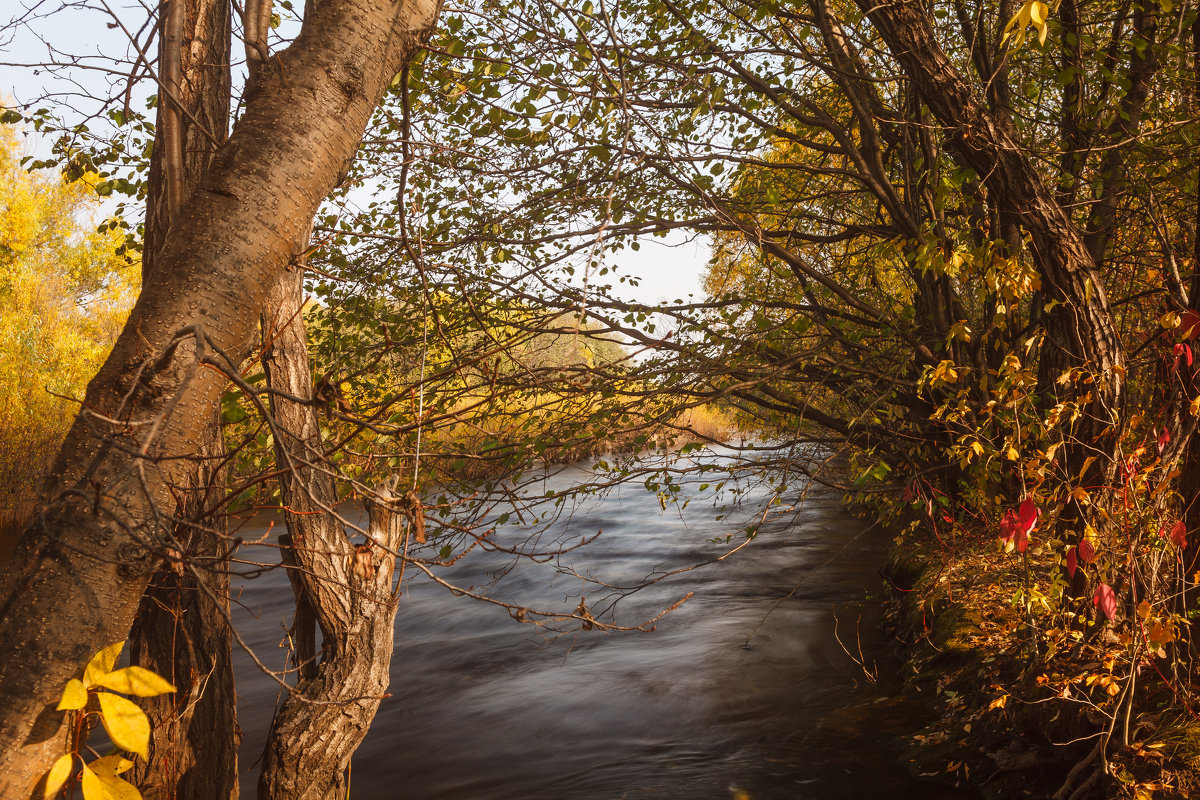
<point>1011,454</point>
<point>1037,18</point>
<point>120,789</point>
<point>1081,494</point>
<point>1143,610</point>
<point>1169,320</point>
<point>93,787</point>
<point>110,766</point>
<point>136,681</point>
<point>126,724</point>
<point>1087,463</point>
<point>102,664</point>
<point>74,696</point>
<point>1194,407</point>
<point>977,448</point>
<point>1160,634</point>
<point>101,783</point>
<point>58,774</point>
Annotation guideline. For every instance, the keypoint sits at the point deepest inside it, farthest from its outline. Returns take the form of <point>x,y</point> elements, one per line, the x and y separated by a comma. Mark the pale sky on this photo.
<point>670,268</point>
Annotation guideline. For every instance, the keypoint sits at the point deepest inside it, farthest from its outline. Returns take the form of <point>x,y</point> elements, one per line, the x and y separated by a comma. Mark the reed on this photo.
<point>14,513</point>
<point>707,423</point>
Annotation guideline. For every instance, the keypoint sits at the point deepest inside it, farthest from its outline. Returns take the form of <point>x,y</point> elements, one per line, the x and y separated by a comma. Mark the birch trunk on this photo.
<point>103,522</point>
<point>182,630</point>
<point>344,589</point>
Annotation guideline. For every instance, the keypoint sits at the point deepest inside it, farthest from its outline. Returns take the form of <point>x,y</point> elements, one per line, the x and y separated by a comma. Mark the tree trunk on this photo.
<point>1186,594</point>
<point>1079,330</point>
<point>182,630</point>
<point>103,522</point>
<point>346,590</point>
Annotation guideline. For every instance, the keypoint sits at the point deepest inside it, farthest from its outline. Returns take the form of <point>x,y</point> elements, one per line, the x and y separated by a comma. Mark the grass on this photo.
<point>14,513</point>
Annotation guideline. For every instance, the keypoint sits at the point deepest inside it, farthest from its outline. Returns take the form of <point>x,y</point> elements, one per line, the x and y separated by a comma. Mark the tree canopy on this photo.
<point>954,274</point>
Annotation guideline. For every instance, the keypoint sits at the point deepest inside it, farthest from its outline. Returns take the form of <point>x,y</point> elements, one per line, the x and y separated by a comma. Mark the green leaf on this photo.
<point>126,724</point>
<point>136,681</point>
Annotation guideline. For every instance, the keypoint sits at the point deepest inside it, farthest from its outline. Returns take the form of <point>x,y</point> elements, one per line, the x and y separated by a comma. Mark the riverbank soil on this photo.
<point>1029,703</point>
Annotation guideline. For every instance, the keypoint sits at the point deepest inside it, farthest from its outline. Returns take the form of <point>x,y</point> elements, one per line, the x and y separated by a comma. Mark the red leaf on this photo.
<point>1028,515</point>
<point>1015,526</point>
<point>1105,600</point>
<point>1179,535</point>
<point>1086,552</point>
<point>1163,438</point>
<point>1174,363</point>
<point>1071,562</point>
<point>1009,526</point>
<point>1130,467</point>
<point>1189,324</point>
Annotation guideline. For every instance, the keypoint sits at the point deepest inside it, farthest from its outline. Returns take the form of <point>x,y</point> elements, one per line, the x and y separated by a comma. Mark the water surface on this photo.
<point>744,691</point>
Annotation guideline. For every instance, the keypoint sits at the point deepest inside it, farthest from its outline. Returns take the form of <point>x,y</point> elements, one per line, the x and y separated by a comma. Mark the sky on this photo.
<point>669,269</point>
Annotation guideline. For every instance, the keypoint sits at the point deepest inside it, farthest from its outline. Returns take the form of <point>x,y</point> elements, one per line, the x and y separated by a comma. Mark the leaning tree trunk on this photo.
<point>346,590</point>
<point>98,533</point>
<point>1080,333</point>
<point>182,629</point>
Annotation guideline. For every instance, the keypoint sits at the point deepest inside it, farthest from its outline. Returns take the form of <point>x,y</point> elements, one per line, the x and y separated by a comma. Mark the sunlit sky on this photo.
<point>669,269</point>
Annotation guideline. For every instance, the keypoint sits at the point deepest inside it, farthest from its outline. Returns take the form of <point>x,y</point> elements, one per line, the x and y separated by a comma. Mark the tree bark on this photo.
<point>103,520</point>
<point>1080,332</point>
<point>1189,480</point>
<point>344,589</point>
<point>182,629</point>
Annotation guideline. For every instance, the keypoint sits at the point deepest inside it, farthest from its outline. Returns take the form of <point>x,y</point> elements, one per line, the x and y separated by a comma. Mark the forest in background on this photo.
<point>954,276</point>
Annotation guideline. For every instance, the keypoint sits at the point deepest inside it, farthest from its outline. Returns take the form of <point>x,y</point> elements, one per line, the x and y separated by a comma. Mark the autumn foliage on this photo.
<point>64,292</point>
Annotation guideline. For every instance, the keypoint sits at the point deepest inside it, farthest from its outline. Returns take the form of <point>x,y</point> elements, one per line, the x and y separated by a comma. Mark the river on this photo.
<point>485,708</point>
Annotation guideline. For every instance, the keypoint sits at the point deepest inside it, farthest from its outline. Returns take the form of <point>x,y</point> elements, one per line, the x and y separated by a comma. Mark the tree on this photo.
<point>103,522</point>
<point>65,292</point>
<point>963,261</point>
<point>182,630</point>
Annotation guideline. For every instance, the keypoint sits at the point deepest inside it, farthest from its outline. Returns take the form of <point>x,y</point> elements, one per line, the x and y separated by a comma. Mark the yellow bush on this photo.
<point>64,294</point>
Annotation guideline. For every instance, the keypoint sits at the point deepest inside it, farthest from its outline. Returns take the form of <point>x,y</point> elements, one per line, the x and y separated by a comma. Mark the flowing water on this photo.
<point>485,708</point>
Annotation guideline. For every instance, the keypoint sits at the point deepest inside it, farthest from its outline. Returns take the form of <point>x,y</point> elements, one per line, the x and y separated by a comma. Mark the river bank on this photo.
<point>1025,708</point>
